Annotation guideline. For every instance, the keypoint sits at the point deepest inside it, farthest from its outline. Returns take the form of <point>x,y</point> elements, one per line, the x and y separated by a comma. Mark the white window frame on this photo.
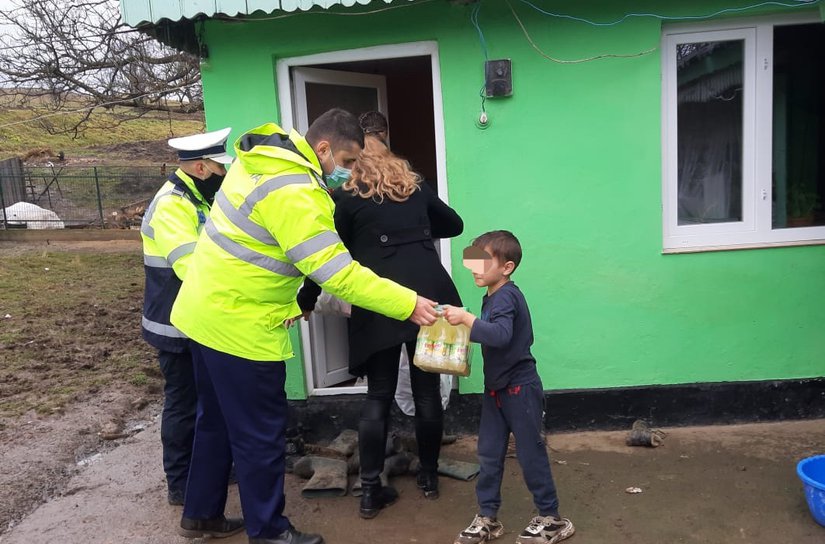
<point>755,229</point>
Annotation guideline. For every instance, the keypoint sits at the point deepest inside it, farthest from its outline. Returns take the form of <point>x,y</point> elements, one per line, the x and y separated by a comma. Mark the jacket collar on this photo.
<point>190,184</point>
<point>268,149</point>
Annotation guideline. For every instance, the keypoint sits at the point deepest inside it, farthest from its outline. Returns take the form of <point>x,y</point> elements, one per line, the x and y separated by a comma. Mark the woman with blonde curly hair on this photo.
<point>388,218</point>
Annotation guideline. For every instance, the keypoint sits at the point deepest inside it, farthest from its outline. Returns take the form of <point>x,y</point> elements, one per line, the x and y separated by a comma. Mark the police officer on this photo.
<point>170,229</point>
<point>272,224</point>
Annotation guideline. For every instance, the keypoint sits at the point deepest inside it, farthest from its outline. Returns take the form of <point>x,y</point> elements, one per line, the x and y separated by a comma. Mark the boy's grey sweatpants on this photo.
<point>516,409</point>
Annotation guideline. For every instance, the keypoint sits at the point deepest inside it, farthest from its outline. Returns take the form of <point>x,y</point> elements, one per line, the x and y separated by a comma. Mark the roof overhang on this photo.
<point>174,22</point>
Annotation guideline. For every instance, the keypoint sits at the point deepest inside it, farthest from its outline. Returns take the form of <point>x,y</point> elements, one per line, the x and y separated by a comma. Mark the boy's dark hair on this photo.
<point>503,245</point>
<point>373,121</point>
<point>338,127</point>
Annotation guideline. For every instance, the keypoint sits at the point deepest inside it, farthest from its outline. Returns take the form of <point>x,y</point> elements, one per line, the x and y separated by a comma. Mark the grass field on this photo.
<point>19,138</point>
<point>69,328</point>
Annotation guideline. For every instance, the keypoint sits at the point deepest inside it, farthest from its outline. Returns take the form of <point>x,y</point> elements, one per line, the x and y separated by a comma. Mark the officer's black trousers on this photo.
<point>382,380</point>
<point>242,414</point>
<point>177,427</point>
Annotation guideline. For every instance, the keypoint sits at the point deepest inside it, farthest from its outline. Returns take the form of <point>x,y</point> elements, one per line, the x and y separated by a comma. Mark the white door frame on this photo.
<point>286,108</point>
<point>353,79</point>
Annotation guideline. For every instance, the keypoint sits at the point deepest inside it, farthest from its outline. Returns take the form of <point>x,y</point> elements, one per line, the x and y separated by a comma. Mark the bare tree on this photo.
<point>78,55</point>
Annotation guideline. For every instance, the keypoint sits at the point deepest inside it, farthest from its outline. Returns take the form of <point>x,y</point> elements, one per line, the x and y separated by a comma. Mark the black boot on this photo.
<point>427,482</point>
<point>374,498</point>
<point>290,536</point>
<point>216,527</point>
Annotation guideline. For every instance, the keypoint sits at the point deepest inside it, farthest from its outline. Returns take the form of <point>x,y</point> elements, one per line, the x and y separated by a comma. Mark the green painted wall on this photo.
<point>572,164</point>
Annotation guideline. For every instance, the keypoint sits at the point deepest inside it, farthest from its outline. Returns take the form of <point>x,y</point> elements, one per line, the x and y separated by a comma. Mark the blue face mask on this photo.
<point>339,175</point>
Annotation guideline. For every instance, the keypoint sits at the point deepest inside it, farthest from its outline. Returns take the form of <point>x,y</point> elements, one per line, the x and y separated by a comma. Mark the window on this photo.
<point>743,135</point>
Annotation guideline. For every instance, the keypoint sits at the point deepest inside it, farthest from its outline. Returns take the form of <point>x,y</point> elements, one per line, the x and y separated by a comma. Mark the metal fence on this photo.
<point>48,197</point>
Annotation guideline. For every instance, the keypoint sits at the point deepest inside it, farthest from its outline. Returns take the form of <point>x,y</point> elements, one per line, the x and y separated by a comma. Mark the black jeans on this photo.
<point>382,380</point>
<point>177,427</point>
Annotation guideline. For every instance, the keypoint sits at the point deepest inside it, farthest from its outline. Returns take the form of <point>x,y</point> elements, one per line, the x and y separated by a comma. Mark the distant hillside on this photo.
<point>140,140</point>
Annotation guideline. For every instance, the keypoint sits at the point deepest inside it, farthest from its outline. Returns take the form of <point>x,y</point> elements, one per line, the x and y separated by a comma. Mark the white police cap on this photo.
<point>209,145</point>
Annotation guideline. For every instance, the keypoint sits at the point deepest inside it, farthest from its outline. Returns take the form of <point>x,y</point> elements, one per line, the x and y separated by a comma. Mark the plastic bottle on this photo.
<point>441,344</point>
<point>421,344</point>
<point>461,344</point>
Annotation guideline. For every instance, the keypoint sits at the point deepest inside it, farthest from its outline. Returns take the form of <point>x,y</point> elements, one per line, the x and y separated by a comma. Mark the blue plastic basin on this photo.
<point>812,473</point>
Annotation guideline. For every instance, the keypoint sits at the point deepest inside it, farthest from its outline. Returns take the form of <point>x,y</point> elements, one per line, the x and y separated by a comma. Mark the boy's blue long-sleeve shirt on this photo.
<point>505,332</point>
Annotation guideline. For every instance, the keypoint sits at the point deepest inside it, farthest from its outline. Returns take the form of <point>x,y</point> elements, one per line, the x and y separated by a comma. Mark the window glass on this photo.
<point>798,126</point>
<point>710,78</point>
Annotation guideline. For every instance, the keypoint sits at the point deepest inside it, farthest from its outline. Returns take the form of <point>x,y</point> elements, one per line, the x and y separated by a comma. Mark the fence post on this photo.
<point>99,201</point>
<point>3,203</point>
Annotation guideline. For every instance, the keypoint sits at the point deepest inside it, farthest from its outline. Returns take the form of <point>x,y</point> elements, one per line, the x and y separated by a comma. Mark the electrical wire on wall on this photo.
<point>725,11</point>
<point>574,61</point>
<point>483,120</point>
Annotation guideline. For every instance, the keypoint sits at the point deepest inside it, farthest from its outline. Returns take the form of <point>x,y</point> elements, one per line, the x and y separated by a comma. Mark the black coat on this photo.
<point>395,240</point>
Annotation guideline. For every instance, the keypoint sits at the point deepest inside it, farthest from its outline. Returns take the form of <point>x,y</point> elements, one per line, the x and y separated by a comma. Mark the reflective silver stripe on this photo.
<point>243,222</point>
<point>330,268</point>
<point>145,227</point>
<point>161,329</point>
<point>247,255</point>
<point>271,185</point>
<point>313,245</point>
<point>180,251</point>
<point>156,262</point>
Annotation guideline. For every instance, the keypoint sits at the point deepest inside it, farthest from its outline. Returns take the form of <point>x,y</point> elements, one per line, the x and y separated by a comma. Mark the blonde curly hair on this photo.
<point>380,173</point>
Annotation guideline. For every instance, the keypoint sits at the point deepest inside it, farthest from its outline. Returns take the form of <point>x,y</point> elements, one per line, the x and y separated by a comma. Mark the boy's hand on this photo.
<point>458,316</point>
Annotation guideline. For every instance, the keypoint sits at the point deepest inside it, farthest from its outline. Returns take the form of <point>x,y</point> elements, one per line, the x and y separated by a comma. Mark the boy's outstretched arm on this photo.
<point>495,333</point>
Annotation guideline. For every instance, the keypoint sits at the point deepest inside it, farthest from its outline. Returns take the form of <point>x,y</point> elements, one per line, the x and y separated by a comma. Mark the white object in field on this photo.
<point>633,490</point>
<point>33,216</point>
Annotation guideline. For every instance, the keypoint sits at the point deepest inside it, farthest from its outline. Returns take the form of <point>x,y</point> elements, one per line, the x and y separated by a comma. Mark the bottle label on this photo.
<point>419,344</point>
<point>439,349</point>
<point>458,353</point>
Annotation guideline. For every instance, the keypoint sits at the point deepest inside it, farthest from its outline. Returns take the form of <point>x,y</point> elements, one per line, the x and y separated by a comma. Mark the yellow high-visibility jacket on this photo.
<point>170,229</point>
<point>270,226</point>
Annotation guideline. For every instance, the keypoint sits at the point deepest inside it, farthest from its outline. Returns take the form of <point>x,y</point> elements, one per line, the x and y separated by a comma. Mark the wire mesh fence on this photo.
<point>55,197</point>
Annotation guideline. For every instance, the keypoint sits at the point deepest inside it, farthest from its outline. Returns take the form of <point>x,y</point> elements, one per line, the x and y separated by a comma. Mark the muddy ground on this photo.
<point>63,481</point>
<point>705,485</point>
<point>73,369</point>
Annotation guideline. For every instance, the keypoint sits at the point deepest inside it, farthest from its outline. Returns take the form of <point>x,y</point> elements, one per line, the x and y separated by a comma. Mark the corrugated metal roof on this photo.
<point>137,12</point>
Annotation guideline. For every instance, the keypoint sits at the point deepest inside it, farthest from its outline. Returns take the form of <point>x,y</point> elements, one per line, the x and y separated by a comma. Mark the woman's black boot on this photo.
<point>374,498</point>
<point>428,483</point>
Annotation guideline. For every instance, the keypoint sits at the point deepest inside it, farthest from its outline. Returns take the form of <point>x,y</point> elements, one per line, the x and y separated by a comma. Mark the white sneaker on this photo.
<point>546,530</point>
<point>482,529</point>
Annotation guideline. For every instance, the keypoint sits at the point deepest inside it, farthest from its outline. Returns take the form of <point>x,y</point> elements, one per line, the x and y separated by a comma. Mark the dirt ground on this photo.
<point>88,468</point>
<point>73,369</point>
<point>720,484</point>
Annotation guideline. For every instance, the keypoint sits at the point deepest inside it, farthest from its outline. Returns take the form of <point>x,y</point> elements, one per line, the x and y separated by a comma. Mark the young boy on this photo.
<point>514,397</point>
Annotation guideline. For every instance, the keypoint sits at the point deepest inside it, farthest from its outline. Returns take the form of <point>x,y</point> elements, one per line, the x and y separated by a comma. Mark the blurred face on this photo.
<point>343,155</point>
<point>488,271</point>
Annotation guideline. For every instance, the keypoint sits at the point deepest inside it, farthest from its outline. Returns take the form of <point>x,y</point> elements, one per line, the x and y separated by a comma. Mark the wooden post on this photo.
<point>99,201</point>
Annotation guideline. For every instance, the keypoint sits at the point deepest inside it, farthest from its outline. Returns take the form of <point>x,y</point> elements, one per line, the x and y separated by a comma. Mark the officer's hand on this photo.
<point>424,313</point>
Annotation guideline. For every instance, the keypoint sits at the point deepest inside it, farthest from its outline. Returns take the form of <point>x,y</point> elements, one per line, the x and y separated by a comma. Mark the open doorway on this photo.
<point>402,82</point>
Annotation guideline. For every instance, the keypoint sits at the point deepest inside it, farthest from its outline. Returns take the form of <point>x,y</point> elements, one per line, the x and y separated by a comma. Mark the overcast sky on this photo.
<point>5,5</point>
